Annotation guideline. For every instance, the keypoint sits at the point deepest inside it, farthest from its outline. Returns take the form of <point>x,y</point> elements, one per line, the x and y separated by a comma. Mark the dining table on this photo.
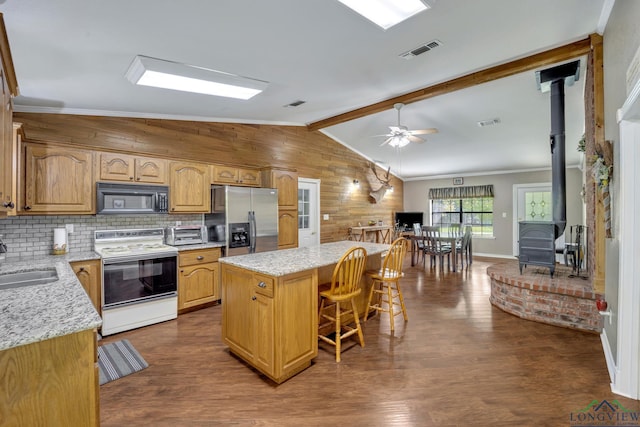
<point>381,233</point>
<point>452,240</point>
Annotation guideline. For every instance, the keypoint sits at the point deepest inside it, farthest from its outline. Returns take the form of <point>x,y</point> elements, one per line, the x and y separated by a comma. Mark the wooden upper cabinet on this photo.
<point>8,154</point>
<point>58,180</point>
<point>235,176</point>
<point>8,148</point>
<point>189,187</point>
<point>287,184</point>
<point>123,167</point>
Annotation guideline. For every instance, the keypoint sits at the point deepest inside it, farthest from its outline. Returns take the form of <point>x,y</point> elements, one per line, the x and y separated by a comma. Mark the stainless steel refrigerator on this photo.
<point>244,218</point>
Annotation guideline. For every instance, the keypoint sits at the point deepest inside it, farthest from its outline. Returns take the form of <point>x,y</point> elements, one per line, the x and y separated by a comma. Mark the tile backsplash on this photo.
<point>32,236</point>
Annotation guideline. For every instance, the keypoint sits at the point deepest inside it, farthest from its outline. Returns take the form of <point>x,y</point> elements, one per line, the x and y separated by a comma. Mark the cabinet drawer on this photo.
<point>264,285</point>
<point>199,256</point>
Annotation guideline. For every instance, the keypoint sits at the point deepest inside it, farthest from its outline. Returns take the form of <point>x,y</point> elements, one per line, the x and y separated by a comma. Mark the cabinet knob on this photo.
<point>262,285</point>
<point>27,207</point>
<point>253,298</point>
<point>9,205</point>
<point>200,258</point>
<point>130,178</point>
<point>181,271</point>
<point>81,269</point>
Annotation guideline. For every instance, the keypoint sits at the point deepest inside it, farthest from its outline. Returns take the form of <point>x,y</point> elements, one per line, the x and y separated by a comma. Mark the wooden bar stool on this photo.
<point>386,282</point>
<point>345,286</point>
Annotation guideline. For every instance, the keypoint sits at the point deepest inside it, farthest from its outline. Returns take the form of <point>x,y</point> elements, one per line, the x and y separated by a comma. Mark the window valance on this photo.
<point>461,192</point>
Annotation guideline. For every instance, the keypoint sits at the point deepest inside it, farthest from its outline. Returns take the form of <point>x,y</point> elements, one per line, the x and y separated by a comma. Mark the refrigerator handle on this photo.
<point>252,231</point>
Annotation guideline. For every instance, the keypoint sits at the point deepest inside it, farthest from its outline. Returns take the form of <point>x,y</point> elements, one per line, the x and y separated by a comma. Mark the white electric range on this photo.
<point>139,278</point>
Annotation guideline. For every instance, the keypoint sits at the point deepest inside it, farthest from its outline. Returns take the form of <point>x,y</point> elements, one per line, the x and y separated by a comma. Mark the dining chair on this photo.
<point>335,301</point>
<point>434,247</point>
<point>386,283</point>
<point>455,230</point>
<point>463,247</point>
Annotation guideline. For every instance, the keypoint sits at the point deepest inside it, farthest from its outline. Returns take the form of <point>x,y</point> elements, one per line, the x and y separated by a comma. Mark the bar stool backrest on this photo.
<point>348,271</point>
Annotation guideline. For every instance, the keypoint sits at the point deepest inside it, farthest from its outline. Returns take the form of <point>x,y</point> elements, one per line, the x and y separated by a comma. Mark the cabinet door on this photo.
<point>287,184</point>
<point>58,180</point>
<point>8,154</point>
<point>249,177</point>
<point>151,170</point>
<point>197,285</point>
<point>224,175</point>
<point>287,229</point>
<point>89,275</point>
<point>116,167</point>
<point>238,311</point>
<point>190,187</point>
<point>264,338</point>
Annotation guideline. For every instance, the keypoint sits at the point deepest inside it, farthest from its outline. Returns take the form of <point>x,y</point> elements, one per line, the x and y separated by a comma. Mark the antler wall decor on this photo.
<point>378,194</point>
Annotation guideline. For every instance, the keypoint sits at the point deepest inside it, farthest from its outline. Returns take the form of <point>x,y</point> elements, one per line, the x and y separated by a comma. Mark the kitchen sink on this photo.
<point>27,278</point>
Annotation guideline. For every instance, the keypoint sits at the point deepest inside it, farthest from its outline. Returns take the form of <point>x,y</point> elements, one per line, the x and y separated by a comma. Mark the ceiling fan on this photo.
<point>399,136</point>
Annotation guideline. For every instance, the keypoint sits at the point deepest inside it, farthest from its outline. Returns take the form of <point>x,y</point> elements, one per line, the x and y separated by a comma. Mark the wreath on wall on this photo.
<point>601,171</point>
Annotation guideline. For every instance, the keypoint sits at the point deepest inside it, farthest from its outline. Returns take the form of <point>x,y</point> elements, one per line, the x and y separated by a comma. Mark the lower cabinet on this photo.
<point>51,383</point>
<point>89,274</point>
<point>198,277</point>
<point>270,322</point>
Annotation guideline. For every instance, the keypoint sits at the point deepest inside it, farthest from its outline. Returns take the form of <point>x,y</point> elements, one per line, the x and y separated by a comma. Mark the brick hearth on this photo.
<point>534,295</point>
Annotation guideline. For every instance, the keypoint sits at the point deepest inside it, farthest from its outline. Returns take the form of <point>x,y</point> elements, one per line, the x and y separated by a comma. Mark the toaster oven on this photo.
<point>186,235</point>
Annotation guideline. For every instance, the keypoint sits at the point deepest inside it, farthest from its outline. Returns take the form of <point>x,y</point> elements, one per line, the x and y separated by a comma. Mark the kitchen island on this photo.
<point>270,303</point>
<point>48,356</point>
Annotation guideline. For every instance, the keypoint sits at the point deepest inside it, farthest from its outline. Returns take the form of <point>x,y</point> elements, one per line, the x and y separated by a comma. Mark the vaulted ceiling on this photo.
<point>70,57</point>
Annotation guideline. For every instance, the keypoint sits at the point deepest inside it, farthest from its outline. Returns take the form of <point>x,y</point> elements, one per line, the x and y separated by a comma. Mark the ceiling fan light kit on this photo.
<point>400,136</point>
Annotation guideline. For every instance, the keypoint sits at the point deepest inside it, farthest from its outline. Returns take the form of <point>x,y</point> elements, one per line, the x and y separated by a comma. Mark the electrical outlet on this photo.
<point>69,228</point>
<point>325,217</point>
<point>178,222</point>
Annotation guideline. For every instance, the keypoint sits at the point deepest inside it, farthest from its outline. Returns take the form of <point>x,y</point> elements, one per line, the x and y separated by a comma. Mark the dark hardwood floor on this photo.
<point>458,361</point>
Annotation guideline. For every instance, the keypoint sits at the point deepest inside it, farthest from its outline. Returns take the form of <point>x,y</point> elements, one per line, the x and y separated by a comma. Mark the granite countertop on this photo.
<point>288,261</point>
<point>40,312</point>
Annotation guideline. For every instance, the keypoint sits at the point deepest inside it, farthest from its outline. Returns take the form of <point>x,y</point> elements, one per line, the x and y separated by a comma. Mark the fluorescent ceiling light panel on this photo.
<point>154,72</point>
<point>386,13</point>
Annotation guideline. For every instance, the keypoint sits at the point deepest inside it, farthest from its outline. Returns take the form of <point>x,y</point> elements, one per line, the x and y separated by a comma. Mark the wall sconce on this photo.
<point>391,189</point>
<point>356,183</point>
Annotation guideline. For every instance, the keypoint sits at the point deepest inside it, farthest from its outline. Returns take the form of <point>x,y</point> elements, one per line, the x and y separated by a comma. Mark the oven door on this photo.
<point>136,279</point>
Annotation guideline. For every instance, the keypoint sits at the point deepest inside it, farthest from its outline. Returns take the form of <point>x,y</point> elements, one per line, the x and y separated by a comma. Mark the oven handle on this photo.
<point>171,294</point>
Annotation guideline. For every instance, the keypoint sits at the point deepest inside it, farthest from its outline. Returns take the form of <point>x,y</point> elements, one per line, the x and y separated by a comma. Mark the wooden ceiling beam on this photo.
<point>548,57</point>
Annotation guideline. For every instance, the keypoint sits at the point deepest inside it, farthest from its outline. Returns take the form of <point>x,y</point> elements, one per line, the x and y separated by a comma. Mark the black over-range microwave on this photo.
<point>115,198</point>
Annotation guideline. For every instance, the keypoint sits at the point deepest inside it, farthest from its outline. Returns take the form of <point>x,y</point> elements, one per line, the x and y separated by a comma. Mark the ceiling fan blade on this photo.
<point>386,141</point>
<point>415,139</point>
<point>423,131</point>
<point>395,129</point>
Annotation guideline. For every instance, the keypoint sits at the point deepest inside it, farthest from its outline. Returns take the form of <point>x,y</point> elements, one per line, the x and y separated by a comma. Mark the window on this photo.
<point>463,205</point>
<point>303,208</point>
<point>475,211</point>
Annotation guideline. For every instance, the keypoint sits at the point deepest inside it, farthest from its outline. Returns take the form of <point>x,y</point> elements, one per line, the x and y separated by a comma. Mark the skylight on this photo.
<point>154,72</point>
<point>386,13</point>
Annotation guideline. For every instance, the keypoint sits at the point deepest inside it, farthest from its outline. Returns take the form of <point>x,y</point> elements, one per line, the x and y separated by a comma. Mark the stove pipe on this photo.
<point>555,79</point>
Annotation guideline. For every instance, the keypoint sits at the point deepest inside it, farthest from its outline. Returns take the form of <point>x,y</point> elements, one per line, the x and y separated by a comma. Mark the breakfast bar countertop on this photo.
<point>288,261</point>
<point>39,312</point>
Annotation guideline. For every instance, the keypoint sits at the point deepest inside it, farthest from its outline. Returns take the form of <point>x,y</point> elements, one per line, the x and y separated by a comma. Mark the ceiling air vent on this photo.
<point>489,122</point>
<point>426,47</point>
<point>295,104</point>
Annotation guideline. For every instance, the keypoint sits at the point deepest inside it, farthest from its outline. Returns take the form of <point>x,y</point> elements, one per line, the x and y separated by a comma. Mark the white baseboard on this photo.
<point>608,356</point>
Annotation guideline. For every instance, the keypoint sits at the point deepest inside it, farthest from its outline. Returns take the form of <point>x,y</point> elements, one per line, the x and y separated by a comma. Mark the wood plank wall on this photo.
<point>311,153</point>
